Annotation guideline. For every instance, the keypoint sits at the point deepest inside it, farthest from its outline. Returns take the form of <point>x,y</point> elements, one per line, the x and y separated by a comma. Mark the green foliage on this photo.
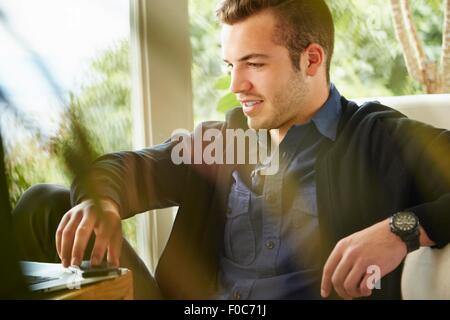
<point>75,144</point>
<point>207,63</point>
<point>29,163</point>
<point>227,102</point>
<point>368,59</point>
<point>229,99</point>
<point>99,121</point>
<point>105,99</point>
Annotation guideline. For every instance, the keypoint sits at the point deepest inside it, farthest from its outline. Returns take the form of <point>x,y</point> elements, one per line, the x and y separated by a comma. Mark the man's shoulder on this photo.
<point>366,115</point>
<point>372,110</point>
<point>386,116</point>
<point>373,120</point>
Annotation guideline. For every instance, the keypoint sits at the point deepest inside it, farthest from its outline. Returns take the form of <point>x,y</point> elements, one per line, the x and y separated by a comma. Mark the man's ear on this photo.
<point>314,58</point>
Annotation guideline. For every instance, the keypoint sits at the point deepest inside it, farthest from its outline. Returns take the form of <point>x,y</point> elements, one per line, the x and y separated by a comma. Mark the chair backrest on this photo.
<point>426,271</point>
<point>425,275</point>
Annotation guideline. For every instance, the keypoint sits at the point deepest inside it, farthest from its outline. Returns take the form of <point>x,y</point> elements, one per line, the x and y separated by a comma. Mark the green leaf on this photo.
<point>223,83</point>
<point>227,102</point>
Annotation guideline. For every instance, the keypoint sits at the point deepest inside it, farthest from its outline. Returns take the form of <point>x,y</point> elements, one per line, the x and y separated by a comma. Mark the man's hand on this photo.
<point>76,228</point>
<point>346,267</point>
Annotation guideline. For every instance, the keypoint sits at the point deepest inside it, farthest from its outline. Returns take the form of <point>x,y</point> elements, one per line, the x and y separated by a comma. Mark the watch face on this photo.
<point>405,221</point>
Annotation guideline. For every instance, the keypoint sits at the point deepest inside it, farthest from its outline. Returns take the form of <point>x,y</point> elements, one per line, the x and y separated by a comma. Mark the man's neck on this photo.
<point>320,97</point>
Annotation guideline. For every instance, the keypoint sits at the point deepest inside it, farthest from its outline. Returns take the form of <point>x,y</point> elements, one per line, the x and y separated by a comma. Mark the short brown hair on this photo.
<point>300,23</point>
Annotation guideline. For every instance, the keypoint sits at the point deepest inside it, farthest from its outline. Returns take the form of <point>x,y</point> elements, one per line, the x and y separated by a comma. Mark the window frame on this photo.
<point>161,58</point>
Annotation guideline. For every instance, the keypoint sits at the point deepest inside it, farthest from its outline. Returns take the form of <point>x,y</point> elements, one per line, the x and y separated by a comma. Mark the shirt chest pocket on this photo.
<point>240,243</point>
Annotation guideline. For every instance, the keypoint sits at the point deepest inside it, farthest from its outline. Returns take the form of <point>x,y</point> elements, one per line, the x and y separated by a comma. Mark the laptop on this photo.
<point>19,278</point>
<point>48,277</point>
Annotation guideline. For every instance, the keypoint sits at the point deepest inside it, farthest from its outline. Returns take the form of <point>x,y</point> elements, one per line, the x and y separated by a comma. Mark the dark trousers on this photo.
<point>36,218</point>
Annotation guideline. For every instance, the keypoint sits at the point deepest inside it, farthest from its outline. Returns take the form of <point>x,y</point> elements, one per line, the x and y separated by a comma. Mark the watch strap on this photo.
<point>412,241</point>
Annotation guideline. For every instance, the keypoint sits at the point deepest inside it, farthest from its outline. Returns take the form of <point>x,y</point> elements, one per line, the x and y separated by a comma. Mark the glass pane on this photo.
<point>52,50</point>
<point>207,65</point>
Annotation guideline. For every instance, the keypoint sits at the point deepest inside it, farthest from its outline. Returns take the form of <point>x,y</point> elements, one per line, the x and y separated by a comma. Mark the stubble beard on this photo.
<point>285,107</point>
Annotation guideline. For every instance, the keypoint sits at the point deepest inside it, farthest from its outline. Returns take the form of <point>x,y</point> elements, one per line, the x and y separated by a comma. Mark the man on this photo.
<point>344,171</point>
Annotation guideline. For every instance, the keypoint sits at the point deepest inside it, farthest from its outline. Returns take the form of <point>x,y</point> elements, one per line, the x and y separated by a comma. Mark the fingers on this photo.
<point>75,230</point>
<point>114,249</point>
<point>82,237</point>
<point>328,270</point>
<point>62,224</point>
<point>98,252</point>
<point>364,287</point>
<point>68,236</point>
<point>352,283</point>
<point>349,278</point>
<point>339,276</point>
<point>107,236</point>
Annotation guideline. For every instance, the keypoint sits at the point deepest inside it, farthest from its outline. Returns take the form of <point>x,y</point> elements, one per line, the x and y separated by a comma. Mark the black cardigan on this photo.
<point>380,163</point>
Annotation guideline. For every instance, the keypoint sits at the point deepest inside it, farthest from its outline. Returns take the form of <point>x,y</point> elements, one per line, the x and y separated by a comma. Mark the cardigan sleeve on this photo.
<point>426,153</point>
<point>142,180</point>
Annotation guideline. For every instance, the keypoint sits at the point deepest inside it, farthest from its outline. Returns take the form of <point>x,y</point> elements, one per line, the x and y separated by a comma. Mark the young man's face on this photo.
<point>270,89</point>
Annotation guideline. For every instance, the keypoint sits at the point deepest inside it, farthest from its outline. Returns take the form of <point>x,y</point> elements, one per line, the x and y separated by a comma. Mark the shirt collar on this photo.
<point>327,118</point>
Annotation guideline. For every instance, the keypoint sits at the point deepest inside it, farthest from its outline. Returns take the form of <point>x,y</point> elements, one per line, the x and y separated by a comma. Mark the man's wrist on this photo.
<point>107,204</point>
<point>405,224</point>
<point>396,237</point>
<point>425,241</point>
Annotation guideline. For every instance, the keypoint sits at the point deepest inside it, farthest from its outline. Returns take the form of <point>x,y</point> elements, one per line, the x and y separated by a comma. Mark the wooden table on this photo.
<point>120,288</point>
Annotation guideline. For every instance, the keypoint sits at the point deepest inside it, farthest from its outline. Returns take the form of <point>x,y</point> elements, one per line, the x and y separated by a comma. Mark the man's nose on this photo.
<point>239,83</point>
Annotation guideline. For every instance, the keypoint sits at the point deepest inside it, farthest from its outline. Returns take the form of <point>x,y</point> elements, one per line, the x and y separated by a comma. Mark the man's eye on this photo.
<point>255,65</point>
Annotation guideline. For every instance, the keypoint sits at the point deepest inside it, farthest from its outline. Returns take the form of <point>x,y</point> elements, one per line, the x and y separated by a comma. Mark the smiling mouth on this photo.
<point>251,107</point>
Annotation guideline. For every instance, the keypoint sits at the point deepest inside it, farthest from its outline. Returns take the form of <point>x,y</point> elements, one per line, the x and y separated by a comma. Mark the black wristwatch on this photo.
<point>405,224</point>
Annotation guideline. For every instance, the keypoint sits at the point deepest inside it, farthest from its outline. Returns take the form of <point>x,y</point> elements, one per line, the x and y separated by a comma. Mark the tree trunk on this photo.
<point>402,35</point>
<point>427,69</point>
<point>419,67</point>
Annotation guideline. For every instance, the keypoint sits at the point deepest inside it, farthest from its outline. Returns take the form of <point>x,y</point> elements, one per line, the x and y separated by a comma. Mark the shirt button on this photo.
<point>236,295</point>
<point>270,245</point>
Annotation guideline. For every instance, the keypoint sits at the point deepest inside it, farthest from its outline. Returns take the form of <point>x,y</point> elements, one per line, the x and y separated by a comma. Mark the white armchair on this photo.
<point>426,271</point>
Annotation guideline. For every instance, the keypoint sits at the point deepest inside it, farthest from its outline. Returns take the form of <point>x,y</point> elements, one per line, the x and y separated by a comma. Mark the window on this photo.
<point>207,65</point>
<point>51,50</point>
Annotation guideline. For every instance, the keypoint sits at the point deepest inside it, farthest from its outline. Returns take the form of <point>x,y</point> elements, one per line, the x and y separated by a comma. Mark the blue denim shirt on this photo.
<point>271,238</point>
